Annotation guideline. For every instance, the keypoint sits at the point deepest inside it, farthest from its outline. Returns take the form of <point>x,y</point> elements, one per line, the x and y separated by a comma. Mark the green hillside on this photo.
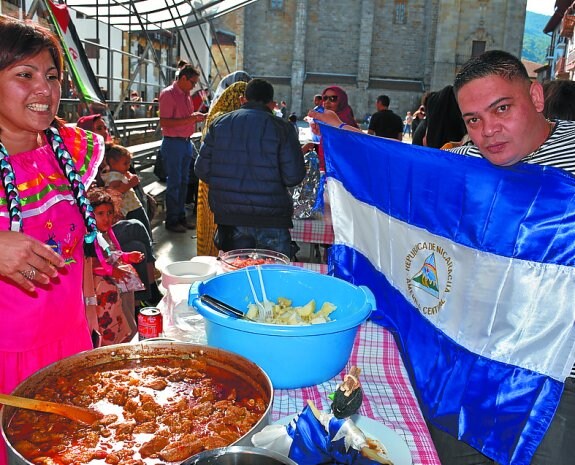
<point>535,41</point>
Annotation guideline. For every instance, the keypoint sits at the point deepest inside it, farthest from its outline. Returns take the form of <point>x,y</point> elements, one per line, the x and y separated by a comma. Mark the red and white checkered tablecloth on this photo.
<point>388,395</point>
<point>316,230</point>
<point>319,267</point>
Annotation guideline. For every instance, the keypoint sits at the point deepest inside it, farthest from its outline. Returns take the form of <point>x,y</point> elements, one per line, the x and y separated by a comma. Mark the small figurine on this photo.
<point>348,397</point>
<point>315,436</point>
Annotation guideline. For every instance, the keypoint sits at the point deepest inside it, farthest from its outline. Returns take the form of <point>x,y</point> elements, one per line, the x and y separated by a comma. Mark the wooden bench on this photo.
<point>144,155</point>
<point>135,131</point>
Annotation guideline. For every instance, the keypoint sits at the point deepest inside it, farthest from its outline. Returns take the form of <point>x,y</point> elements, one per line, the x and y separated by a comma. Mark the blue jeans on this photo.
<point>277,239</point>
<point>177,155</point>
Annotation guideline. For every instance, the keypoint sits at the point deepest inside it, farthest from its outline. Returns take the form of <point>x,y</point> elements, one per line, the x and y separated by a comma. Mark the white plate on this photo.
<point>397,448</point>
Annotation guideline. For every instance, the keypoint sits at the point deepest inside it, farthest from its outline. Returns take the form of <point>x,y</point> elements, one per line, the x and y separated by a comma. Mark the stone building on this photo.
<point>561,52</point>
<point>401,48</point>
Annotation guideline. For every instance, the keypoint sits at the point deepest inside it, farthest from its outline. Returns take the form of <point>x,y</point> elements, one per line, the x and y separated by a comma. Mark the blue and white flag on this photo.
<point>473,269</point>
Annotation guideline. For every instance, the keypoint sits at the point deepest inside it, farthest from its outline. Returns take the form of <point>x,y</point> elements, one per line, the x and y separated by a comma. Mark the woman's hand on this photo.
<point>331,118</point>
<point>328,117</point>
<point>25,260</point>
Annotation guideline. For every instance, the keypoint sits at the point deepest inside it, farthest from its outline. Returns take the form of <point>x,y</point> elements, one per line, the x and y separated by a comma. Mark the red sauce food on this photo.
<point>243,262</point>
<point>154,413</point>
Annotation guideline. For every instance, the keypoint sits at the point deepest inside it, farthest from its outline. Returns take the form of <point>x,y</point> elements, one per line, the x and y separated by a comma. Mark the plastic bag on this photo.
<point>308,195</point>
<point>131,282</point>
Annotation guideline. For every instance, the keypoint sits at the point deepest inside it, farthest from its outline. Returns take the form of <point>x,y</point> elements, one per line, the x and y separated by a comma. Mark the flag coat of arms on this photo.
<point>472,267</point>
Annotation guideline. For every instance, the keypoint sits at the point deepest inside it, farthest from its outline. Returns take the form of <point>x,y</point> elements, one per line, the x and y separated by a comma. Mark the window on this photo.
<point>276,5</point>
<point>400,12</point>
<point>92,51</point>
<point>477,48</point>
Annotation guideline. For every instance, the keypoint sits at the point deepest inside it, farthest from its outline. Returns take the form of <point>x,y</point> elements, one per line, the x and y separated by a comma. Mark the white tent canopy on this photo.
<point>134,15</point>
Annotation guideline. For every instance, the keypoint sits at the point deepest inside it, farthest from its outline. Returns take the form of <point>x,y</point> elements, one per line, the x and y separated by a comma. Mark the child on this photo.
<point>119,178</point>
<point>111,279</point>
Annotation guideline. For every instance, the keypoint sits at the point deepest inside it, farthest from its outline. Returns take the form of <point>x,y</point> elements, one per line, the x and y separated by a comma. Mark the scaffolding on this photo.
<point>135,45</point>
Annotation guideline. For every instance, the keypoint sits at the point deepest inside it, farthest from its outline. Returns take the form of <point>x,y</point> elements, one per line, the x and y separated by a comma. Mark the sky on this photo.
<point>544,7</point>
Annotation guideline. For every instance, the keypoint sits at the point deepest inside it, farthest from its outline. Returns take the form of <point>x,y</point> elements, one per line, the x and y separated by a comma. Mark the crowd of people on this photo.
<point>70,218</point>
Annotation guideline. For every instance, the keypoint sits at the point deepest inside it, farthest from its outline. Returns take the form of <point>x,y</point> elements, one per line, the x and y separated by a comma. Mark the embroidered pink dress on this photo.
<point>39,328</point>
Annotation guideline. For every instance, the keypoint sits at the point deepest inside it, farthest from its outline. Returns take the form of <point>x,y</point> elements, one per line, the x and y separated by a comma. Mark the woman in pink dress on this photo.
<point>44,214</point>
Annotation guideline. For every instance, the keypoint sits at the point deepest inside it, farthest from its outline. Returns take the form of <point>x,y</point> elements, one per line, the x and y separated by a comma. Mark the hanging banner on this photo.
<point>76,59</point>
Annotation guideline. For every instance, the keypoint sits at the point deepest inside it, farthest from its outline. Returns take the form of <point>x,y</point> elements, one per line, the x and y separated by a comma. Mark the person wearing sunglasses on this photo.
<point>335,99</point>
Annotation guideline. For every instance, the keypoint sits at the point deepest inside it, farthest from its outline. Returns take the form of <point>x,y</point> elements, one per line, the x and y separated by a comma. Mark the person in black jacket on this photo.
<point>249,158</point>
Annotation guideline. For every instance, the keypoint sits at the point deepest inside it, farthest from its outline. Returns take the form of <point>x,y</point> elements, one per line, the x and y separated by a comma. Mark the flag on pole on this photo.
<point>472,266</point>
<point>76,59</point>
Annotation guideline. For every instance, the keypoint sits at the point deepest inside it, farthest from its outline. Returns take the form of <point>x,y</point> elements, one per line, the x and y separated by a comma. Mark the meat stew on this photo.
<point>155,411</point>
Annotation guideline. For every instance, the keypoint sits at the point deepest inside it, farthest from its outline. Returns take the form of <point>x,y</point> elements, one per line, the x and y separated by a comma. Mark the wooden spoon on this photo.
<point>80,414</point>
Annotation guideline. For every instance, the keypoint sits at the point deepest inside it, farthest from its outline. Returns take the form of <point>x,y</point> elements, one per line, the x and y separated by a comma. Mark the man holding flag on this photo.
<point>475,275</point>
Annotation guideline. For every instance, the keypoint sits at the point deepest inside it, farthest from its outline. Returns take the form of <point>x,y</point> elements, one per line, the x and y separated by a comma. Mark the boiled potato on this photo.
<point>284,314</point>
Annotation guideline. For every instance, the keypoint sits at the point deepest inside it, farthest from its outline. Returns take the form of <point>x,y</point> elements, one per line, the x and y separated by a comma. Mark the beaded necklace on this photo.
<point>69,170</point>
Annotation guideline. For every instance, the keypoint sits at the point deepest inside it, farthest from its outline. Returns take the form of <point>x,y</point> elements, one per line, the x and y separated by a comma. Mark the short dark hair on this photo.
<point>23,39</point>
<point>384,100</point>
<point>259,90</point>
<point>559,100</point>
<point>491,63</point>
<point>188,71</point>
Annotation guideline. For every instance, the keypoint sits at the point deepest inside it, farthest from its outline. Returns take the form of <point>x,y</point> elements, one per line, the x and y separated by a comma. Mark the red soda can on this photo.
<point>149,323</point>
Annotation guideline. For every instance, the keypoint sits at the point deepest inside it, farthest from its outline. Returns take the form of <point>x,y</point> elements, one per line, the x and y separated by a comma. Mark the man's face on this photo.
<point>503,117</point>
<point>188,83</point>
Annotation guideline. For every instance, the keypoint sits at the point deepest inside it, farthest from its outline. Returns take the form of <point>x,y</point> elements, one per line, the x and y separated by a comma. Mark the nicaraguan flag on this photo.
<point>472,267</point>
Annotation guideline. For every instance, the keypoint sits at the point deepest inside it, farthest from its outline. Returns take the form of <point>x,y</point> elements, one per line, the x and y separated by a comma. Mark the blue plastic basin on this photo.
<point>292,356</point>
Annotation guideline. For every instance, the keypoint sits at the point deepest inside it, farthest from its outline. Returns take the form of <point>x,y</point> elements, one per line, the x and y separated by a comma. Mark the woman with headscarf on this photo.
<point>228,101</point>
<point>227,81</point>
<point>334,98</point>
<point>94,123</point>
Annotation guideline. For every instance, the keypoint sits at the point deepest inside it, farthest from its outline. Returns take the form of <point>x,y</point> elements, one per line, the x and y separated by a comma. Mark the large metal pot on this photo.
<point>237,455</point>
<point>233,363</point>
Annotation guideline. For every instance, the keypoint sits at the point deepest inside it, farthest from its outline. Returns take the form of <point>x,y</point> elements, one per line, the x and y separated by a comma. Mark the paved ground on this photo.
<point>169,246</point>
